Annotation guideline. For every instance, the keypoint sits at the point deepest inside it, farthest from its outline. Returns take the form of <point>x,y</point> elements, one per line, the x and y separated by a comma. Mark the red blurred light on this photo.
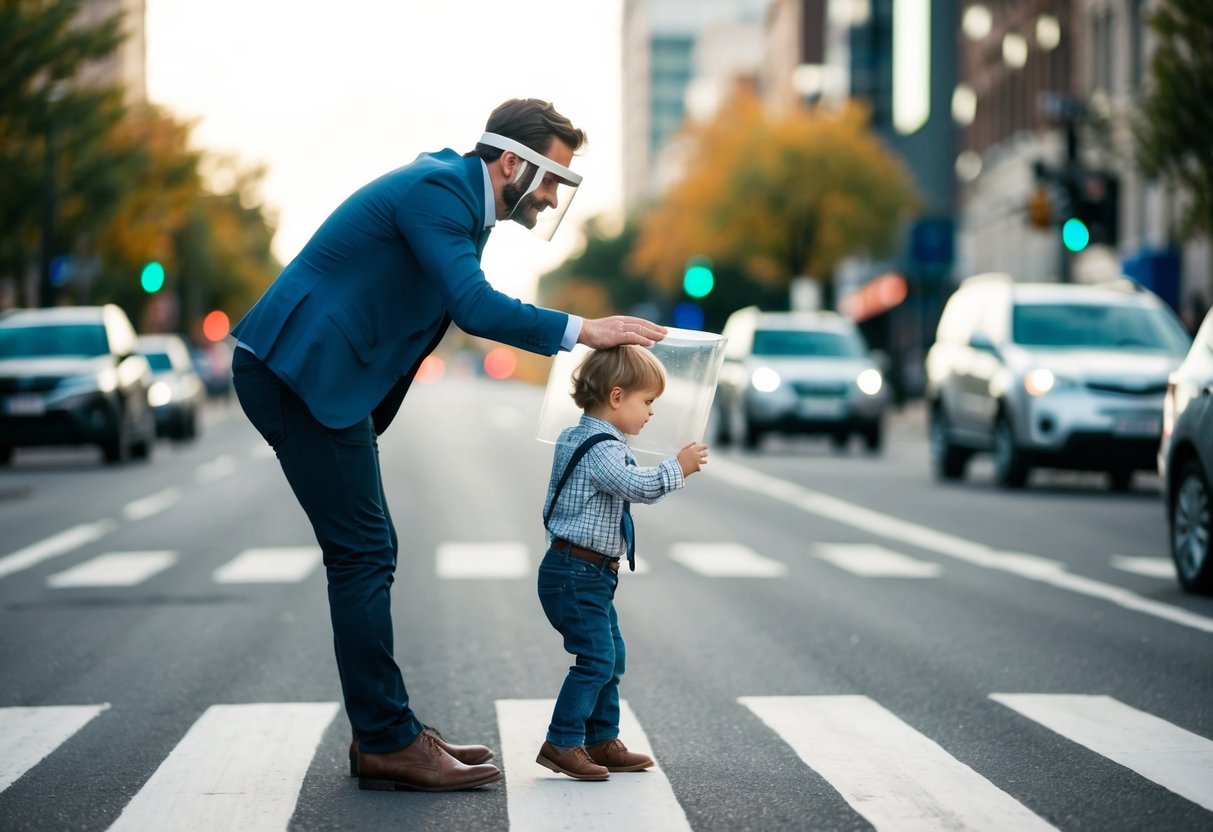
<point>431,370</point>
<point>216,326</point>
<point>500,363</point>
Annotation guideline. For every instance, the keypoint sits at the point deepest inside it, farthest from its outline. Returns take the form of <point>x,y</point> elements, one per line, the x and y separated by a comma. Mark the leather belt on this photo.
<point>585,554</point>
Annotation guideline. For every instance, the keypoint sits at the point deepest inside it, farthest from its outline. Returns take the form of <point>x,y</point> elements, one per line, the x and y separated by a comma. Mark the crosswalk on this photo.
<point>499,560</point>
<point>243,766</point>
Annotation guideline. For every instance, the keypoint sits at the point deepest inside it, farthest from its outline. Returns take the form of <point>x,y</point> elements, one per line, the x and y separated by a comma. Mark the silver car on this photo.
<point>1050,375</point>
<point>1185,462</point>
<point>798,372</point>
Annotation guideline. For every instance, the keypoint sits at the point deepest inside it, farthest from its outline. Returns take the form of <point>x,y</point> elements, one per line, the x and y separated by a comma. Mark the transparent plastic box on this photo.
<point>692,362</point>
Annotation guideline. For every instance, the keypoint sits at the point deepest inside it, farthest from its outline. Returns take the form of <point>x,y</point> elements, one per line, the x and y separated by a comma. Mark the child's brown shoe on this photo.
<point>615,756</point>
<point>575,762</point>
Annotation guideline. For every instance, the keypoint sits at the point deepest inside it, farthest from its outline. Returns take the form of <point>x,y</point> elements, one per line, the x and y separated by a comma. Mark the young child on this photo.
<point>594,480</point>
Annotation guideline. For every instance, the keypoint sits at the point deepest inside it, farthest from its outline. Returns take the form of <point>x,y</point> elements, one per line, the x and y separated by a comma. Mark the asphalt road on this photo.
<point>816,640</point>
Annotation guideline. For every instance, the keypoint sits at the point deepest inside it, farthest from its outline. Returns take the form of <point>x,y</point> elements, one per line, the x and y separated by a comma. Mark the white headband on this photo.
<point>535,158</point>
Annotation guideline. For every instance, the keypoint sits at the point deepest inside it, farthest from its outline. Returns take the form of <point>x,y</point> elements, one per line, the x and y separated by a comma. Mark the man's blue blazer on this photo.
<point>349,320</point>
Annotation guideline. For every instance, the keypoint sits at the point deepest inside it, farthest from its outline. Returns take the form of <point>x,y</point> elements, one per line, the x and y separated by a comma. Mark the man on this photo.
<point>327,354</point>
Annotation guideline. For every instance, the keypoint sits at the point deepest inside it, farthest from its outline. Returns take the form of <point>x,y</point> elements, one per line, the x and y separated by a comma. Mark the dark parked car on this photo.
<point>1185,462</point>
<point>177,393</point>
<point>71,376</point>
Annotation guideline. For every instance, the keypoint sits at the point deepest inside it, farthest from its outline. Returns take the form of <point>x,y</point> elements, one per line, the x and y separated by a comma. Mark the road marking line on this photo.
<point>216,469</point>
<point>871,561</point>
<point>461,561</point>
<point>28,735</point>
<point>1031,567</point>
<point>538,798</point>
<point>1150,567</point>
<point>889,773</point>
<point>114,569</point>
<point>54,546</point>
<point>279,565</point>
<point>238,767</point>
<point>726,560</point>
<point>150,505</point>
<point>1159,751</point>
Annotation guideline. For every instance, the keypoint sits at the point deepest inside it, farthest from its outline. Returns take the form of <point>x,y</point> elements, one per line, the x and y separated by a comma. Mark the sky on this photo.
<point>331,95</point>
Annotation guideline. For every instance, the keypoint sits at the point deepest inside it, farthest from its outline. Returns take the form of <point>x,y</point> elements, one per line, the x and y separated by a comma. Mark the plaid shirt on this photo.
<point>590,507</point>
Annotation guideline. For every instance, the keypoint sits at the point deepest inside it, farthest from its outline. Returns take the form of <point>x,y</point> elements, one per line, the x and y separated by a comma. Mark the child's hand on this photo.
<point>692,457</point>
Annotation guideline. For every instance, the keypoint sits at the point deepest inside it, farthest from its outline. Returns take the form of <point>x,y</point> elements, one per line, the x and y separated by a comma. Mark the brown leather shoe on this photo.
<point>421,765</point>
<point>469,755</point>
<point>615,756</point>
<point>575,763</point>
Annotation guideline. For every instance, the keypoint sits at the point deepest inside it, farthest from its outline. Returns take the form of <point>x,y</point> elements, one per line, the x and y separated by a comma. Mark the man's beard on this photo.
<point>520,206</point>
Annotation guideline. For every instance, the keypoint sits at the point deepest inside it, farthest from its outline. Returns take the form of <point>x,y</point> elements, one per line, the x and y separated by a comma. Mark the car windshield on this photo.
<point>52,340</point>
<point>1090,326</point>
<point>800,342</point>
<point>159,361</point>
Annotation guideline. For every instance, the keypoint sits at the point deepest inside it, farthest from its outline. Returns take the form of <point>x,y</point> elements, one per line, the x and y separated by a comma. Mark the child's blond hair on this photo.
<point>628,367</point>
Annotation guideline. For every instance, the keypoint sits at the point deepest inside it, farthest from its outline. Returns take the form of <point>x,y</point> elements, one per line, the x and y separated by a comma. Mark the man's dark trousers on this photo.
<point>336,478</point>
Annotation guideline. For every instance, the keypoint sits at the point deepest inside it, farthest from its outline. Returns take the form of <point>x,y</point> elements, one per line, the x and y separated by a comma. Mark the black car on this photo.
<point>1185,462</point>
<point>71,376</point>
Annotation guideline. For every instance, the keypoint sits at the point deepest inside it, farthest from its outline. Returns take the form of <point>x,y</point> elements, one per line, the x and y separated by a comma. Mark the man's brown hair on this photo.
<point>628,367</point>
<point>531,121</point>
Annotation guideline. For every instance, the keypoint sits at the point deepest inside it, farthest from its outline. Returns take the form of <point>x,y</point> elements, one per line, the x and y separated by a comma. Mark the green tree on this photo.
<point>55,161</point>
<point>778,198</point>
<point>1176,123</point>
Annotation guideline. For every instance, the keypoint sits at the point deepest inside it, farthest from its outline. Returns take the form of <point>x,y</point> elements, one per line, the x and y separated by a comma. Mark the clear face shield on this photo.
<point>541,189</point>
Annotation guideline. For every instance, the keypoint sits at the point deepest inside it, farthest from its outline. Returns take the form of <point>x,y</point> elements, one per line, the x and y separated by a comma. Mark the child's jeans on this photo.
<point>578,599</point>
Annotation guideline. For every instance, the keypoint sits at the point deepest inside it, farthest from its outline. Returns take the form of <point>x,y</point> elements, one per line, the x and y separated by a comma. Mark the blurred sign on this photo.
<point>877,296</point>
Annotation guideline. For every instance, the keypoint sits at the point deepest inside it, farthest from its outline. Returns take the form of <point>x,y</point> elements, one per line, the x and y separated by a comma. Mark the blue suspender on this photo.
<point>626,526</point>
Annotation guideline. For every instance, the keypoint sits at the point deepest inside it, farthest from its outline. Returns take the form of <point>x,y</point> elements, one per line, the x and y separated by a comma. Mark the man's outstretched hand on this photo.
<point>601,333</point>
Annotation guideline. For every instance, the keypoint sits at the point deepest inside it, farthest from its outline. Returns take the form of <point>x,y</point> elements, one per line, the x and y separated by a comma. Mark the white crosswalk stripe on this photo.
<point>891,774</point>
<point>539,799</point>
<point>1154,748</point>
<point>242,766</point>
<point>285,564</point>
<point>726,560</point>
<point>1150,567</point>
<point>461,561</point>
<point>238,767</point>
<point>114,569</point>
<point>871,561</point>
<point>28,735</point>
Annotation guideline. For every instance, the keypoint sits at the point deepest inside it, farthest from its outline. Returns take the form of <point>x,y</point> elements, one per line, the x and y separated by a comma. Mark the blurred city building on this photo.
<point>127,66</point>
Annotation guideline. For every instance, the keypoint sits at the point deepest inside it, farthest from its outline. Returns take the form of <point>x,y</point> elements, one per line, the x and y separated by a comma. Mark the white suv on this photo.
<point>1054,375</point>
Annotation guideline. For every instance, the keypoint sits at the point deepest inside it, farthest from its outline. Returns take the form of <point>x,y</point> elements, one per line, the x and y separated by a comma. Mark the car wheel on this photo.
<point>1121,478</point>
<point>117,448</point>
<point>6,454</point>
<point>838,441</point>
<point>751,434</point>
<point>873,437</point>
<point>948,461</point>
<point>1189,517</point>
<point>1010,467</point>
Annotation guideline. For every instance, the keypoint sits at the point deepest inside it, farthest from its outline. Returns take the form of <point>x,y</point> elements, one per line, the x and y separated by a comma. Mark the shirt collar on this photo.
<point>490,200</point>
<point>601,426</point>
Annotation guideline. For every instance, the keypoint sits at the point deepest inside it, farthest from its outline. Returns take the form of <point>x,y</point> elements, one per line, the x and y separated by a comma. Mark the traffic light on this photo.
<point>1097,204</point>
<point>697,279</point>
<point>152,277</point>
<point>1040,209</point>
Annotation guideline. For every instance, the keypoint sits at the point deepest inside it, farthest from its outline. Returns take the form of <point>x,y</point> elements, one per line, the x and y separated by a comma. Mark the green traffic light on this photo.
<point>698,281</point>
<point>152,278</point>
<point>1075,235</point>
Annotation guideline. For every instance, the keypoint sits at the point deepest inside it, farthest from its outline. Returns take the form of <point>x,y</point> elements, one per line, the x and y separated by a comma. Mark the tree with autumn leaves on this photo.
<point>114,185</point>
<point>777,198</point>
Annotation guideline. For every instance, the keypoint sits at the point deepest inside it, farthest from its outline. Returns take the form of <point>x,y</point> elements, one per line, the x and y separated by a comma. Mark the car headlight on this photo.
<point>1041,381</point>
<point>159,394</point>
<point>765,380</point>
<point>105,381</point>
<point>869,381</point>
